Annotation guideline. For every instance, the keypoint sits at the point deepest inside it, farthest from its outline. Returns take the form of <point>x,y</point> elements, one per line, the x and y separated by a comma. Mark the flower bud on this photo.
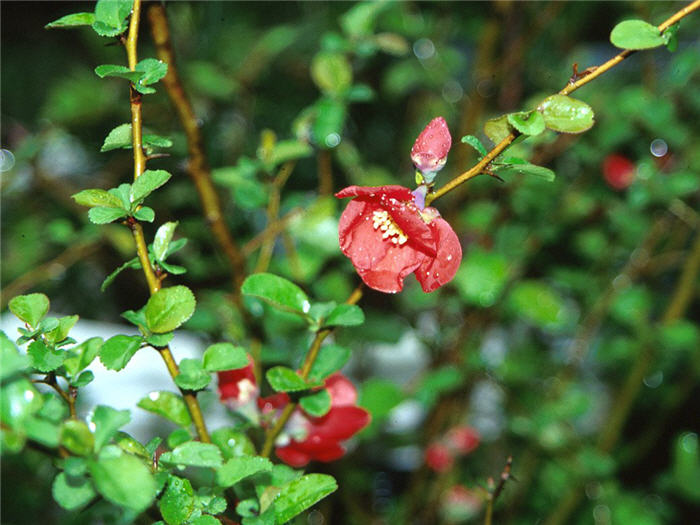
<point>429,152</point>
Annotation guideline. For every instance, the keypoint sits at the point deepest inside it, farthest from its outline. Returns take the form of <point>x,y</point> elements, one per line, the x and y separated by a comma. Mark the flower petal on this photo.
<point>338,424</point>
<point>375,192</point>
<point>434,272</point>
<point>292,456</point>
<point>407,217</point>
<point>429,152</point>
<point>387,274</point>
<point>358,238</point>
<point>341,390</point>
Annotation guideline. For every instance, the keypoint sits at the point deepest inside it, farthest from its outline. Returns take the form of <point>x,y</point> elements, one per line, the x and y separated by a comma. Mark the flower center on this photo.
<point>382,221</point>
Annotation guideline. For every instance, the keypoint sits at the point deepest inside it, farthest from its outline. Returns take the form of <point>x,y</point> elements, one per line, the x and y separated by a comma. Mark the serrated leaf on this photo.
<point>122,192</point>
<point>58,334</point>
<point>112,12</point>
<point>124,480</point>
<point>128,444</point>
<point>636,34</point>
<point>145,214</point>
<point>232,443</point>
<point>97,197</point>
<point>173,269</point>
<point>119,137</point>
<point>168,308</point>
<point>117,351</point>
<point>192,376</point>
<point>162,239</point>
<point>566,114</point>
<point>330,359</point>
<point>238,468</point>
<point>73,20</point>
<point>84,379</point>
<point>194,454</point>
<point>80,356</point>
<point>76,437</point>
<point>527,122</point>
<point>317,404</point>
<point>168,405</point>
<point>345,315</point>
<point>475,143</point>
<point>150,140</point>
<point>278,292</point>
<point>153,70</point>
<point>107,421</point>
<point>43,358</point>
<point>137,318</point>
<point>224,356</point>
<point>283,379</point>
<point>497,129</point>
<point>146,183</point>
<point>300,494</point>
<point>177,502</point>
<point>72,493</point>
<point>118,71</point>
<point>30,308</point>
<point>103,215</point>
<point>159,340</point>
<point>133,264</point>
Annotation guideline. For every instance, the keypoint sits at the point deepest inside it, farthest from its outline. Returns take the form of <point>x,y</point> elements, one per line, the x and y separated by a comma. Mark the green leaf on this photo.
<point>30,308</point>
<point>19,401</point>
<point>670,37</point>
<point>526,169</point>
<point>224,356</point>
<point>205,519</point>
<point>278,292</point>
<point>194,454</point>
<point>119,137</point>
<point>178,437</point>
<point>145,214</point>
<point>110,16</point>
<point>107,421</point>
<point>238,468</point>
<point>12,361</point>
<point>329,122</point>
<point>76,437</point>
<point>345,315</point>
<point>300,494</point>
<point>42,431</point>
<point>162,239</point>
<point>566,114</point>
<point>482,277</point>
<point>84,379</point>
<point>177,502</point>
<point>133,264</point>
<point>379,396</point>
<point>150,140</point>
<point>58,334</point>
<point>361,18</point>
<point>115,70</point>
<point>475,143</point>
<point>71,492</point>
<point>527,122</point>
<point>117,351</point>
<point>124,480</point>
<point>104,215</point>
<point>538,303</point>
<point>159,340</point>
<point>232,443</point>
<point>137,318</point>
<point>497,129</point>
<point>96,197</point>
<point>153,70</point>
<point>168,308</point>
<point>192,376</point>
<point>146,183</point>
<point>285,150</point>
<point>636,34</point>
<point>175,246</point>
<point>43,358</point>
<point>283,379</point>
<point>173,268</point>
<point>330,359</point>
<point>437,382</point>
<point>128,444</point>
<point>70,21</point>
<point>168,405</point>
<point>122,193</point>
<point>331,72</point>
<point>317,404</point>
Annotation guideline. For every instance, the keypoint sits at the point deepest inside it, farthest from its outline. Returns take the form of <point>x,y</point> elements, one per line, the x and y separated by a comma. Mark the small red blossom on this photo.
<point>429,152</point>
<point>387,237</point>
<point>238,387</point>
<point>618,171</point>
<point>460,504</point>
<point>306,438</point>
<point>439,457</point>
<point>462,439</point>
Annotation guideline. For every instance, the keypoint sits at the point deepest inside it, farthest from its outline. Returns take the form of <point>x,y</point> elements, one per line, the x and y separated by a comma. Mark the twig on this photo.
<point>311,355</point>
<point>271,229</point>
<point>136,229</point>
<point>69,397</point>
<point>197,167</point>
<point>480,166</point>
<point>494,492</point>
<point>325,172</point>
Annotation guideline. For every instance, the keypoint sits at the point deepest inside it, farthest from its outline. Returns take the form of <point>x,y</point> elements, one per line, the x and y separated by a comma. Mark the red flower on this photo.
<point>618,171</point>
<point>429,152</point>
<point>307,438</point>
<point>460,504</point>
<point>387,237</point>
<point>462,439</point>
<point>238,387</point>
<point>439,457</point>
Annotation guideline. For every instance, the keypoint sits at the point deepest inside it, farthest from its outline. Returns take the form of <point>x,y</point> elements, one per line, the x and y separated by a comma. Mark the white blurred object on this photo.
<point>144,374</point>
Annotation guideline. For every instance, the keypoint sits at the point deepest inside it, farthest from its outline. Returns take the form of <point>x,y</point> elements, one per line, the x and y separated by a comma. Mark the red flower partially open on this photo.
<point>429,152</point>
<point>387,237</point>
<point>306,438</point>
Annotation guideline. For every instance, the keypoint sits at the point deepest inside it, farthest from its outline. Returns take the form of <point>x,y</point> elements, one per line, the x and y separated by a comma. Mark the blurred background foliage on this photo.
<point>557,340</point>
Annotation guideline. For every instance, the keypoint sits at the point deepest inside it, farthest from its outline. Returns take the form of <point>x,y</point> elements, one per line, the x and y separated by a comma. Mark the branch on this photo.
<point>570,88</point>
<point>136,229</point>
<point>495,491</point>
<point>311,355</point>
<point>197,166</point>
